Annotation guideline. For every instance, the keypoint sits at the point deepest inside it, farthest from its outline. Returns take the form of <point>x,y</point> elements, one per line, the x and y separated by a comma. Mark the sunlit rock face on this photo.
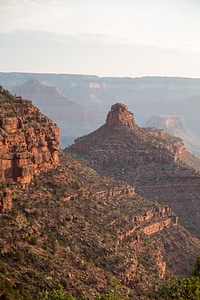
<point>29,141</point>
<point>119,116</point>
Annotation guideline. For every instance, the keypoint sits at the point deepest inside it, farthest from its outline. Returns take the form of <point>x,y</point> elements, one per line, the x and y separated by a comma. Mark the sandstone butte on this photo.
<point>29,142</point>
<point>157,164</point>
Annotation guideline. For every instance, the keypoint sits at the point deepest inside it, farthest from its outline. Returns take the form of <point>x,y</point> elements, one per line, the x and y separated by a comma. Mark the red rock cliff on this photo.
<point>119,116</point>
<point>29,141</point>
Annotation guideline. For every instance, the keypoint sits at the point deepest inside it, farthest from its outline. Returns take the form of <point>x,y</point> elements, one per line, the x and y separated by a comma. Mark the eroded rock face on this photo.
<point>119,116</point>
<point>175,144</point>
<point>29,141</point>
<point>121,140</point>
<point>154,162</point>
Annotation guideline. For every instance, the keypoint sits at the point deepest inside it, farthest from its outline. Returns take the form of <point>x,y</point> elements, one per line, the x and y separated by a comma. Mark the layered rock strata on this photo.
<point>29,141</point>
<point>157,164</point>
<point>119,116</point>
<point>121,140</point>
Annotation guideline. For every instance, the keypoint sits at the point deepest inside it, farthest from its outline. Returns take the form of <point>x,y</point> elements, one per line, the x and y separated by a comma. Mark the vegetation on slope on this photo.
<point>73,234</point>
<point>64,230</point>
<point>181,289</point>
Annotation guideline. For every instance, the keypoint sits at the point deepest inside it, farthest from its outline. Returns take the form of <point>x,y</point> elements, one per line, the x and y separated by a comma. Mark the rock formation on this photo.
<point>121,140</point>
<point>157,164</point>
<point>97,230</point>
<point>119,116</point>
<point>175,125</point>
<point>29,141</point>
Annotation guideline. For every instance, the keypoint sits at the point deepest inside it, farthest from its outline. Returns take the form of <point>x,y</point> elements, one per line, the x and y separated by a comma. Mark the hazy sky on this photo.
<point>124,38</point>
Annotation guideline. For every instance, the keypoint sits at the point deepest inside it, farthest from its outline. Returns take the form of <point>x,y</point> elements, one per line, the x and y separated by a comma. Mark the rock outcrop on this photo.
<point>119,116</point>
<point>157,164</point>
<point>121,140</point>
<point>175,125</point>
<point>29,141</point>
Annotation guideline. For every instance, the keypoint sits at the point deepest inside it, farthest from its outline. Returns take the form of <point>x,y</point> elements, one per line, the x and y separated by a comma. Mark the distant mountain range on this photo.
<point>146,96</point>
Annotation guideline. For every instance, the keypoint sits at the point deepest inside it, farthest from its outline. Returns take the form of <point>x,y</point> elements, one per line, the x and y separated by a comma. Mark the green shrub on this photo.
<point>56,294</point>
<point>33,240</point>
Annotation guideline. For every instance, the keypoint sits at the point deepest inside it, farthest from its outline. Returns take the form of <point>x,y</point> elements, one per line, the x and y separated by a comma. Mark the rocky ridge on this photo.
<point>67,114</point>
<point>155,163</point>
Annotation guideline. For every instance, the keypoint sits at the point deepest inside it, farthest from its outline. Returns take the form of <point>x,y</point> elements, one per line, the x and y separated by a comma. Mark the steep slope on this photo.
<point>66,224</point>
<point>29,141</point>
<point>156,163</point>
<point>175,125</point>
<point>92,234</point>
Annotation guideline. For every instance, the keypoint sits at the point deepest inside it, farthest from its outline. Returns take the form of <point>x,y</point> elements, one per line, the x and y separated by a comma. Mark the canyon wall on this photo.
<point>29,141</point>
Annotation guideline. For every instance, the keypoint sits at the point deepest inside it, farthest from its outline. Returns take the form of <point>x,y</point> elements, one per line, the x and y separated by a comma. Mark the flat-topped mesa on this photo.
<point>119,116</point>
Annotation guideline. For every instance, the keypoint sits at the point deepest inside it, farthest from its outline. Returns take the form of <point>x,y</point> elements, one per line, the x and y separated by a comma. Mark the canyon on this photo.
<point>87,231</point>
<point>62,222</point>
<point>146,96</point>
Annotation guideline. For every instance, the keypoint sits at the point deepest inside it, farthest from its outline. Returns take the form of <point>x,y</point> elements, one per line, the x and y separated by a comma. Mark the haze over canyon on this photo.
<point>86,99</point>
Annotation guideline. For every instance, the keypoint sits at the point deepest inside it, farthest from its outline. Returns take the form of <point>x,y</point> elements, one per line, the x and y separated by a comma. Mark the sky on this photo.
<point>120,38</point>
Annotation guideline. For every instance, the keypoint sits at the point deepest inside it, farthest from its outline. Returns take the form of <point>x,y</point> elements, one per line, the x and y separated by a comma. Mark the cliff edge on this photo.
<point>29,141</point>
